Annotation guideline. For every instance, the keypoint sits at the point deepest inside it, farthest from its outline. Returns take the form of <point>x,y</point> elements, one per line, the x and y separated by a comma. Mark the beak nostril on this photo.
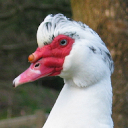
<point>37,65</point>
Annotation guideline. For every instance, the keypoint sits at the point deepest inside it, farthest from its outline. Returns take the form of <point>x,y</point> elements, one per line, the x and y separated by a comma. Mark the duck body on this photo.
<point>76,53</point>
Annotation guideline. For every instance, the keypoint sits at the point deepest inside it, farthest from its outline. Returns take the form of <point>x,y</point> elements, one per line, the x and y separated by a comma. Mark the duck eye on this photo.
<point>63,42</point>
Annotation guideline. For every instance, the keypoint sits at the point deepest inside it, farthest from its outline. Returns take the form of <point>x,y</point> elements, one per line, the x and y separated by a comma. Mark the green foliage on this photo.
<point>25,99</point>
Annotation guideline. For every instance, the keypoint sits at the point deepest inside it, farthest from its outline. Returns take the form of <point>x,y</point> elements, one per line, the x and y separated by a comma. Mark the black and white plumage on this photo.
<point>86,98</point>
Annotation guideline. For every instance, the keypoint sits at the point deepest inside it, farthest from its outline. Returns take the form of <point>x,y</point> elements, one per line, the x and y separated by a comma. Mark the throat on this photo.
<point>82,107</point>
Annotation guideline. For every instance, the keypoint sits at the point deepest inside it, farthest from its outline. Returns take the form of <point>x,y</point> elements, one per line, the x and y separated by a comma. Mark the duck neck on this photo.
<point>83,106</point>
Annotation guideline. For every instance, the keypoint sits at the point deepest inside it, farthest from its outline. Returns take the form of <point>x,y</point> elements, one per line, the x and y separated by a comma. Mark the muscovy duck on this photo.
<point>75,52</point>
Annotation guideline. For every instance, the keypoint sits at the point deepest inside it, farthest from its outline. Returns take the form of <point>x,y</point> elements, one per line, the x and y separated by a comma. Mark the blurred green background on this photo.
<point>19,21</point>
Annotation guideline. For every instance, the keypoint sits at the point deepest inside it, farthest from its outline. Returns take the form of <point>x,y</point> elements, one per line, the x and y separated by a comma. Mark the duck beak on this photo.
<point>35,71</point>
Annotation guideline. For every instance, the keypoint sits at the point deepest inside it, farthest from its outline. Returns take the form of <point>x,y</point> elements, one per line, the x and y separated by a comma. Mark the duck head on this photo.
<point>68,49</point>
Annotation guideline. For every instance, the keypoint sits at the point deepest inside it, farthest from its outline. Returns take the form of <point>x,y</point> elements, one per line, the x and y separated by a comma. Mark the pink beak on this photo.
<point>34,72</point>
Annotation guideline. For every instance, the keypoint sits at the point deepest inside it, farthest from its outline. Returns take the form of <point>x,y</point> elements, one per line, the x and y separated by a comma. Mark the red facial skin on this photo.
<point>48,60</point>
